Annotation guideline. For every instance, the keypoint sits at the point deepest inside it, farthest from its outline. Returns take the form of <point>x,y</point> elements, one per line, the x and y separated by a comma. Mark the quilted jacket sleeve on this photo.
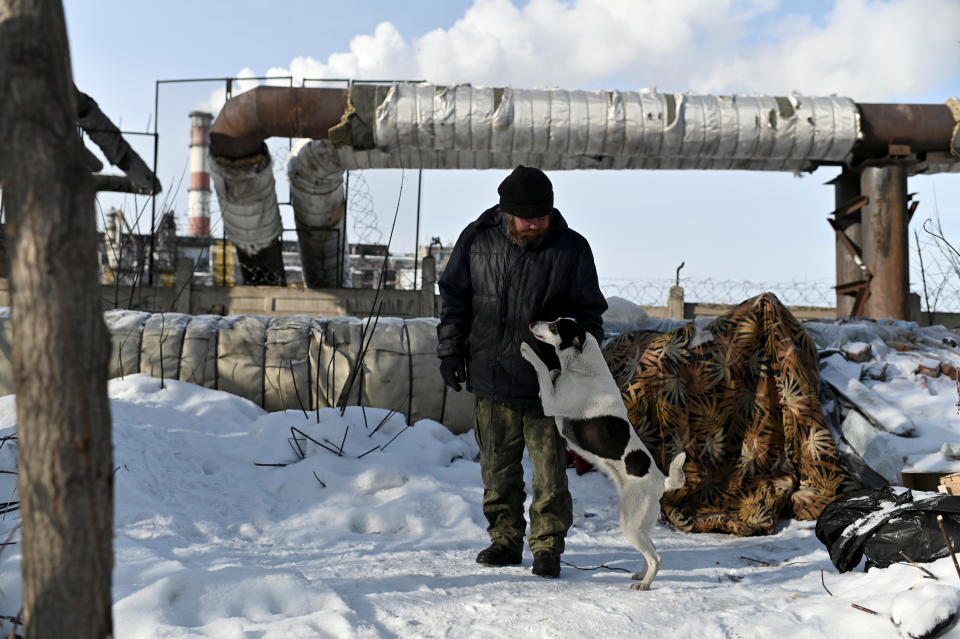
<point>456,293</point>
<point>585,294</point>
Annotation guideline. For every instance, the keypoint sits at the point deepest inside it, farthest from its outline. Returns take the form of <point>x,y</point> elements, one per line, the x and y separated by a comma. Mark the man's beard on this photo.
<point>526,239</point>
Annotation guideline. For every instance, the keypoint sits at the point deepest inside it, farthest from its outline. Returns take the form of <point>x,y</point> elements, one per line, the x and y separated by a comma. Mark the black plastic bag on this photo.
<point>885,522</point>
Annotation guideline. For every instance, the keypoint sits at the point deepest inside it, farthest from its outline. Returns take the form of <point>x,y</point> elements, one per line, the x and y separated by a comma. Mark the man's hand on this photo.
<point>454,371</point>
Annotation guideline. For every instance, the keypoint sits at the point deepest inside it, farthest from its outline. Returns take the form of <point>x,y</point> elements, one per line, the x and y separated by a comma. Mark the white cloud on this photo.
<point>866,49</point>
<point>383,55</point>
<point>548,42</point>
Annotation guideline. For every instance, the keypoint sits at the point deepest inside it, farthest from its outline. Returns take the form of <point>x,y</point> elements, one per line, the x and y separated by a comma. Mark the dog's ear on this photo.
<point>578,342</point>
<point>580,336</point>
<point>571,333</point>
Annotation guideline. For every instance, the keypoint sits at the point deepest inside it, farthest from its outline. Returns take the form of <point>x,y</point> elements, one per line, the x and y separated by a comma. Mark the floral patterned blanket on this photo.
<point>744,403</point>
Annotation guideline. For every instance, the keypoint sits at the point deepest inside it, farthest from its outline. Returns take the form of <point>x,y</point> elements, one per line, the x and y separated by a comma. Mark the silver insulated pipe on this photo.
<point>316,192</point>
<point>465,127</point>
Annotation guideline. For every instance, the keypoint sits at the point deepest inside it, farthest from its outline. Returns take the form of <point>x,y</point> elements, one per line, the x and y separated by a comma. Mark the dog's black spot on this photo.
<point>570,332</point>
<point>605,436</point>
<point>637,463</point>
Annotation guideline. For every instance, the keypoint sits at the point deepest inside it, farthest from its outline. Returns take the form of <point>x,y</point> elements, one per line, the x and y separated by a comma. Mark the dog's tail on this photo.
<point>676,478</point>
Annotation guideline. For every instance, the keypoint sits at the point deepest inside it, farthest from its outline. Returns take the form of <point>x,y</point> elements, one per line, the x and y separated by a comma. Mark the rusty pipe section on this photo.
<point>885,240</point>
<point>922,127</point>
<point>264,112</point>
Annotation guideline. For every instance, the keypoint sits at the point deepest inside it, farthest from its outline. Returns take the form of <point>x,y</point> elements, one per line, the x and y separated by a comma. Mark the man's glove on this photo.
<point>454,371</point>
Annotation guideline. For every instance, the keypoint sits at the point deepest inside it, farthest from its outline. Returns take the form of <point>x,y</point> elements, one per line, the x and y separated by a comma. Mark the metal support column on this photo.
<point>885,240</point>
<point>846,222</point>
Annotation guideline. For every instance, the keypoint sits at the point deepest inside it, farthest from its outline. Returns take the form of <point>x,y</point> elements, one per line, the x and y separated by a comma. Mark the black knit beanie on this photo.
<point>526,193</point>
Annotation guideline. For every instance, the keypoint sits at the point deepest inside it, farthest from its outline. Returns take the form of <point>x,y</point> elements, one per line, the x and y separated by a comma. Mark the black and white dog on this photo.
<point>591,416</point>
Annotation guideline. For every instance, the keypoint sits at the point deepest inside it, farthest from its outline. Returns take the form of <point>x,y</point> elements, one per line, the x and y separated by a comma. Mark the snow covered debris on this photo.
<point>906,390</point>
<point>209,544</point>
<point>928,610</point>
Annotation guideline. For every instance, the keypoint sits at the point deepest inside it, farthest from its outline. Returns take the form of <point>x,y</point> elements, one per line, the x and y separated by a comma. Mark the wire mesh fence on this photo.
<point>654,292</point>
<point>815,293</point>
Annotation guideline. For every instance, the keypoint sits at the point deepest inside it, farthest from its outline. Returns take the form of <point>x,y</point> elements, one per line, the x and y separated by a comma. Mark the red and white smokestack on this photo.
<point>200,173</point>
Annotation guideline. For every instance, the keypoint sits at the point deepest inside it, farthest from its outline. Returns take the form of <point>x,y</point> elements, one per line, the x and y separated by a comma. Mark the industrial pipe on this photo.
<point>922,127</point>
<point>250,118</point>
<point>251,216</point>
<point>316,193</point>
<point>465,127</point>
<point>236,144</point>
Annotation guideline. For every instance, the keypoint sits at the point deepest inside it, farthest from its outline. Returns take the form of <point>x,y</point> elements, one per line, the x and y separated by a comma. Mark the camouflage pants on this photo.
<point>502,430</point>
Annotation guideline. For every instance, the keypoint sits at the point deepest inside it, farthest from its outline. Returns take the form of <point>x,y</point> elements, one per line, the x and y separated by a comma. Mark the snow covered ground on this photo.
<point>380,541</point>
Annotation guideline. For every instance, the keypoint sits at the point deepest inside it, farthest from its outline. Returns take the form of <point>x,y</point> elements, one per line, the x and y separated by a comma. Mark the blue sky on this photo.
<point>733,225</point>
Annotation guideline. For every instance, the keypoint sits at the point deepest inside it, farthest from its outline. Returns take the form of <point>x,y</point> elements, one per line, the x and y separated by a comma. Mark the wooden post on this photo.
<point>61,345</point>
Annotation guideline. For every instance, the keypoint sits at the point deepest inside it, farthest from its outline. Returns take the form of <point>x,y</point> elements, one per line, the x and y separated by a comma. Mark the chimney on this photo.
<point>200,173</point>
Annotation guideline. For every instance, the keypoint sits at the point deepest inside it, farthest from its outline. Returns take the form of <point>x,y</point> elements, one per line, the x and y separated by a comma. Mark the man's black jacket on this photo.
<point>492,289</point>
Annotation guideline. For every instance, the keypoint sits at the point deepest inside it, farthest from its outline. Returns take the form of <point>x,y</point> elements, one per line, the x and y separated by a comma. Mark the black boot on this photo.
<point>546,564</point>
<point>497,555</point>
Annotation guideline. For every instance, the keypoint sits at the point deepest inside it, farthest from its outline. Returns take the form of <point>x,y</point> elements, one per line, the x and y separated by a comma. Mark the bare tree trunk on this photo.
<point>60,346</point>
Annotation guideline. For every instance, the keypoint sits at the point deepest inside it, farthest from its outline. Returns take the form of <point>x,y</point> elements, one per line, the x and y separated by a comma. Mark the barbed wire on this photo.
<point>816,293</point>
<point>361,212</point>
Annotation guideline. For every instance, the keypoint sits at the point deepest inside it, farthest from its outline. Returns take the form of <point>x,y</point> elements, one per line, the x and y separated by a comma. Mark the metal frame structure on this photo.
<point>872,211</point>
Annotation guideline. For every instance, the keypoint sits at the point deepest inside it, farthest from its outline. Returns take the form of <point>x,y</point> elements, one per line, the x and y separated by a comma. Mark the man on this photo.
<point>517,263</point>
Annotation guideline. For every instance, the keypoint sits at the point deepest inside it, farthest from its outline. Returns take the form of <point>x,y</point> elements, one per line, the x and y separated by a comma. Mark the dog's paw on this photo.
<point>640,585</point>
<point>527,352</point>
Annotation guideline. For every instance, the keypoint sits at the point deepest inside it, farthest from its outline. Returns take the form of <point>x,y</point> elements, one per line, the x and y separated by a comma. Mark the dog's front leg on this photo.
<point>544,377</point>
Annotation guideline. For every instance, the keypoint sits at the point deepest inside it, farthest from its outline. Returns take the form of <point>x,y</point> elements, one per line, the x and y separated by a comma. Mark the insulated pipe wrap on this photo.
<point>248,201</point>
<point>478,127</point>
<point>316,184</point>
<point>316,192</point>
<point>289,363</point>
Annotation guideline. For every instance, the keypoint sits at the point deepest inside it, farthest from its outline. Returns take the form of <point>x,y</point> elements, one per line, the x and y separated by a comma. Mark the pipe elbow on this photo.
<point>247,120</point>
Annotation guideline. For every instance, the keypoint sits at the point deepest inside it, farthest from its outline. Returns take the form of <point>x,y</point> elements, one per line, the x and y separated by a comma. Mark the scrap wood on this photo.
<point>859,607</point>
<point>950,484</point>
<point>926,573</point>
<point>928,366</point>
<point>877,410</point>
<point>857,351</point>
<point>949,363</point>
<point>902,346</point>
<point>928,362</point>
<point>768,564</point>
<point>948,357</point>
<point>946,538</point>
<point>878,371</point>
